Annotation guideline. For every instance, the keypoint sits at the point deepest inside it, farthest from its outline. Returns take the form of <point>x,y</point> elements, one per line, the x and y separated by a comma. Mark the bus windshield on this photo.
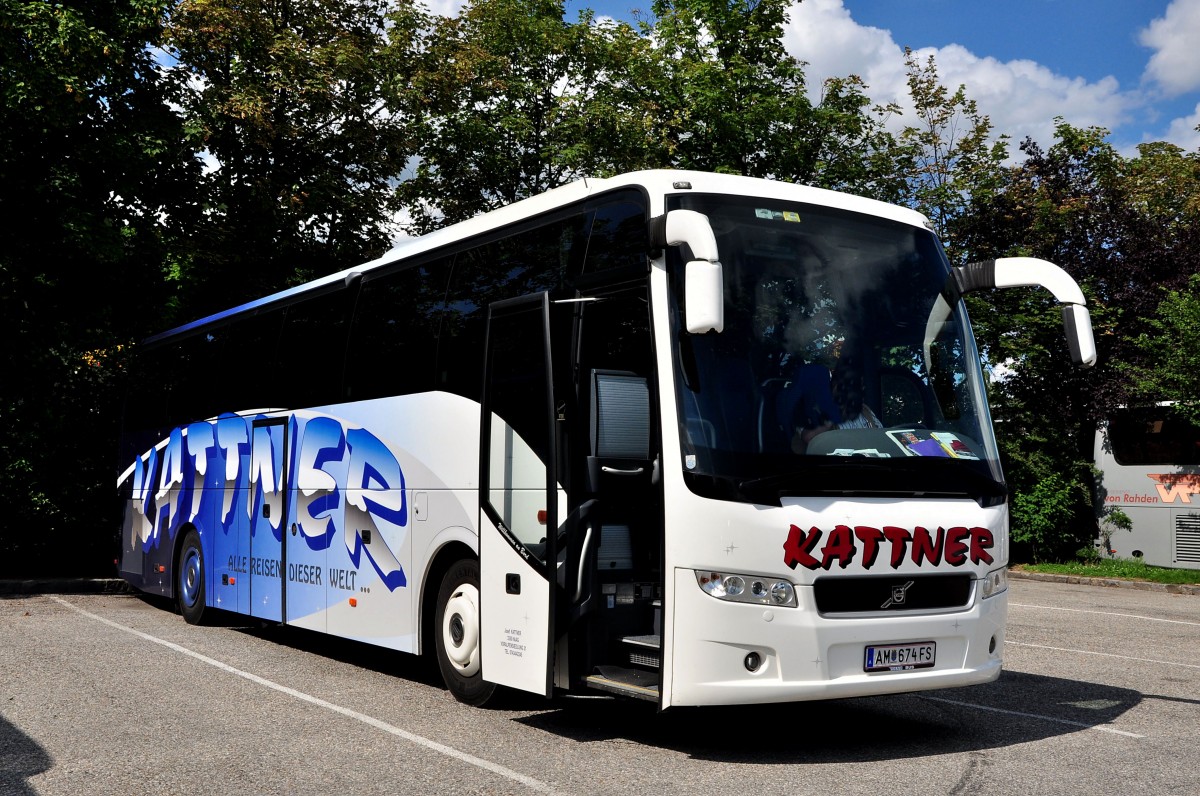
<point>846,365</point>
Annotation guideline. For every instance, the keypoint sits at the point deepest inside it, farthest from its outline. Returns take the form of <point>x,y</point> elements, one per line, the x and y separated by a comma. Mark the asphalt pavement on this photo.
<point>114,693</point>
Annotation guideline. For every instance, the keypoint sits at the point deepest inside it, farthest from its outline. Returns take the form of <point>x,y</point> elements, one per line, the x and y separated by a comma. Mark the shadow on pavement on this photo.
<point>1017,709</point>
<point>21,757</point>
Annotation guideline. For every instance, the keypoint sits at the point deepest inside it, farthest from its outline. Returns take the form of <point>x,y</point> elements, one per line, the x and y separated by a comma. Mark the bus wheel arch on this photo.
<point>456,632</point>
<point>190,576</point>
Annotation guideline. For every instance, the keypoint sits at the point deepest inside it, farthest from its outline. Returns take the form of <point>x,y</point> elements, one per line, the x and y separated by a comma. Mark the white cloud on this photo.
<point>447,8</point>
<point>1182,131</point>
<point>1022,98</point>
<point>1175,65</point>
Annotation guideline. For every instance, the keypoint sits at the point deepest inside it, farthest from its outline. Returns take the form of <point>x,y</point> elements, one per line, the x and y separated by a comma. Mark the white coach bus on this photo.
<point>1148,460</point>
<point>685,437</point>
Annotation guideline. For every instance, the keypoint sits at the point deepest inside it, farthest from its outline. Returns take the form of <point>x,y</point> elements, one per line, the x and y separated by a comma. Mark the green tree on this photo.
<point>1039,514</point>
<point>296,105</point>
<point>1170,370</point>
<point>92,167</point>
<point>735,101</point>
<point>1124,229</point>
<point>734,92</point>
<point>515,101</point>
<point>1055,206</point>
<point>842,143</point>
<point>949,157</point>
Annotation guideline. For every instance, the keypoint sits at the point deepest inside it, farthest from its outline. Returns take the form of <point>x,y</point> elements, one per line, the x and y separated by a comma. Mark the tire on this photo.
<point>456,634</point>
<point>190,576</point>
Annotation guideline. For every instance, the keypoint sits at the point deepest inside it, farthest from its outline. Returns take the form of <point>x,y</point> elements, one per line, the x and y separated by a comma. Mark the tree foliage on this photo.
<point>948,156</point>
<point>91,160</point>
<point>733,92</point>
<point>295,106</point>
<point>510,103</point>
<point>733,100</point>
<point>1170,370</point>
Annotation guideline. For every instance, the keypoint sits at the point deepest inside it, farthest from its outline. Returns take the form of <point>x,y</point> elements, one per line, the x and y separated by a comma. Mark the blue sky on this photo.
<point>1130,66</point>
<point>1087,39</point>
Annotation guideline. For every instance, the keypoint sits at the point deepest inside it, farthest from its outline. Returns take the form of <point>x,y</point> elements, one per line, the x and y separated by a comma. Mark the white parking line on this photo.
<point>1080,724</point>
<point>1102,654</point>
<point>529,782</point>
<point>1105,613</point>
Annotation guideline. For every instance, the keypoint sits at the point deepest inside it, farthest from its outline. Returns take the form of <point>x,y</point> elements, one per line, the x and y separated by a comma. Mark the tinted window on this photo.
<point>1153,436</point>
<point>313,347</point>
<point>529,262</point>
<point>618,238</point>
<point>191,372</point>
<point>393,344</point>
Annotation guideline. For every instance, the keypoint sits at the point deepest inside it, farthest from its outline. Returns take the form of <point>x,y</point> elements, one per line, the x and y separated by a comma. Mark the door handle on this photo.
<point>617,471</point>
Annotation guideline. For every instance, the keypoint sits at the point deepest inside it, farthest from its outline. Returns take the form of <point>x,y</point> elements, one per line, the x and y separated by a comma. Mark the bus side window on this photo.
<point>1153,436</point>
<point>250,376</point>
<point>190,370</point>
<point>393,338</point>
<point>618,239</point>
<point>312,349</point>
<point>528,262</point>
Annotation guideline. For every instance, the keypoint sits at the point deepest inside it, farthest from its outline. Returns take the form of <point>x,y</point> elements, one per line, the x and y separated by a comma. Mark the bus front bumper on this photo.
<point>801,655</point>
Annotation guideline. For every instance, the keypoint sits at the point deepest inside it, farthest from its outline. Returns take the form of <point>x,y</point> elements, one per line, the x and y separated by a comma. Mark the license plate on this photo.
<point>899,657</point>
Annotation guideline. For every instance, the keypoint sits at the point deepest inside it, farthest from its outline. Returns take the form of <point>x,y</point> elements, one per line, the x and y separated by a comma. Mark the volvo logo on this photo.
<point>899,595</point>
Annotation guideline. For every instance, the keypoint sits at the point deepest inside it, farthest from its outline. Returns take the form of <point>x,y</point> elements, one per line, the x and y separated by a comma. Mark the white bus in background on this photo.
<point>691,438</point>
<point>1149,464</point>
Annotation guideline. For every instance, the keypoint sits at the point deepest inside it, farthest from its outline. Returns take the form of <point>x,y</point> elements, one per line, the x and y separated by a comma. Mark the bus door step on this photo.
<point>644,650</point>
<point>636,683</point>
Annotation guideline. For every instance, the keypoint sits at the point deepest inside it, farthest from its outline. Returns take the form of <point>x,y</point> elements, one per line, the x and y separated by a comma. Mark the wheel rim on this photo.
<point>460,630</point>
<point>190,577</point>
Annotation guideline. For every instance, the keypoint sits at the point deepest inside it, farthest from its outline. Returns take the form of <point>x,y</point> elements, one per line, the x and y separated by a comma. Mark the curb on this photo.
<point>1117,583</point>
<point>65,586</point>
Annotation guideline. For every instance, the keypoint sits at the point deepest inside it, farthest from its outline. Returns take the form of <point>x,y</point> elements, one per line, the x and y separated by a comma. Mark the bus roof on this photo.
<point>657,183</point>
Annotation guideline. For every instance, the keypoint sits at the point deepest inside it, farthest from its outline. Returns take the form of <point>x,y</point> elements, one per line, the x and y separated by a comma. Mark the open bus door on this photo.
<point>519,498</point>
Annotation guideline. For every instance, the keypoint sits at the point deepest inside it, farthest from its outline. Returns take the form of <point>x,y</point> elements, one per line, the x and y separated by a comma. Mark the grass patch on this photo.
<point>1127,568</point>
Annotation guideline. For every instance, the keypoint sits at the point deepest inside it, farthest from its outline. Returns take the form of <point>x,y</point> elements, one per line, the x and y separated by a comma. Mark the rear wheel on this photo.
<point>189,571</point>
<point>456,634</point>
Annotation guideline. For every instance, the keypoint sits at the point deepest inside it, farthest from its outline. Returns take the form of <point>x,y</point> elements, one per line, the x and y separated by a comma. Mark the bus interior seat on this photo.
<point>771,436</point>
<point>620,467</point>
<point>620,423</point>
<point>615,551</point>
<point>909,400</point>
<point>807,396</point>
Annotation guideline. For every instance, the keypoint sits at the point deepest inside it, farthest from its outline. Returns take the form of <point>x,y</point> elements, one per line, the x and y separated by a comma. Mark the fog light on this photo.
<point>992,645</point>
<point>753,661</point>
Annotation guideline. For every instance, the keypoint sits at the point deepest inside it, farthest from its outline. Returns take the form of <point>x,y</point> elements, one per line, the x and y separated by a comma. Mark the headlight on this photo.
<point>995,582</point>
<point>747,589</point>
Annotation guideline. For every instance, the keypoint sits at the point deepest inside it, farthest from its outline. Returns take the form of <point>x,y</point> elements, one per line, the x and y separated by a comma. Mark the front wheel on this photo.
<point>189,571</point>
<point>456,635</point>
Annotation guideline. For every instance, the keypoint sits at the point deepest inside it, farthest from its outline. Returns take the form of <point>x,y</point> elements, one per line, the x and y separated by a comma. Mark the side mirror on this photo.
<point>703,288</point>
<point>1077,323</point>
<point>1032,272</point>
<point>704,297</point>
